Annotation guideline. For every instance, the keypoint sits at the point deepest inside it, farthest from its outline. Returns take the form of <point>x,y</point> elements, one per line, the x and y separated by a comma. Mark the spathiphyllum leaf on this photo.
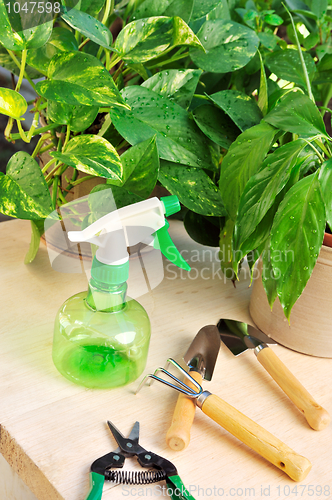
<point>241,162</point>
<point>325,180</point>
<point>297,113</point>
<point>261,190</point>
<point>296,237</point>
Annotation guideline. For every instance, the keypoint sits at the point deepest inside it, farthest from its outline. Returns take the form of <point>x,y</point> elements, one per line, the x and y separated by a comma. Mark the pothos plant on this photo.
<point>188,94</point>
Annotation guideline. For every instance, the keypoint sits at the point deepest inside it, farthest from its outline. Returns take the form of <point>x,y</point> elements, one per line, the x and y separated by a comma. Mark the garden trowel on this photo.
<point>201,358</point>
<point>239,337</point>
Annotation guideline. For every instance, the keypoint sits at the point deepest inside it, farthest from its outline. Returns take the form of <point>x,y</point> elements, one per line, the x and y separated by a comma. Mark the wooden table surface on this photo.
<point>52,430</point>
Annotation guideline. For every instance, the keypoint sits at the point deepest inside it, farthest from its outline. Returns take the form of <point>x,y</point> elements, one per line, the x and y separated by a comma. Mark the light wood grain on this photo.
<point>257,438</point>
<point>316,416</point>
<point>52,430</point>
<point>178,435</point>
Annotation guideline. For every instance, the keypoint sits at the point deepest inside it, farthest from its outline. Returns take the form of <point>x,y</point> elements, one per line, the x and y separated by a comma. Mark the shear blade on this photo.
<point>120,438</point>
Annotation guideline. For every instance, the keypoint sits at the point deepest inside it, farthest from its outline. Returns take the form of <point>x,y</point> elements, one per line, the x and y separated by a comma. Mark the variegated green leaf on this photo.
<point>93,155</point>
<point>12,103</point>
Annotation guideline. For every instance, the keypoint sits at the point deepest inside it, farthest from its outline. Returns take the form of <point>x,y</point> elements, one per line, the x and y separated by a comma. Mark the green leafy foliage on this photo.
<point>215,125</point>
<point>24,192</point>
<point>228,46</point>
<point>21,32</point>
<point>286,64</point>
<point>204,230</point>
<point>12,103</point>
<point>325,181</point>
<point>89,26</point>
<point>178,138</point>
<point>193,187</point>
<point>241,108</point>
<point>241,162</point>
<point>148,38</point>
<point>141,167</point>
<point>296,238</point>
<point>177,85</point>
<point>296,113</point>
<point>79,118</point>
<point>93,155</point>
<point>170,8</point>
<point>79,79</point>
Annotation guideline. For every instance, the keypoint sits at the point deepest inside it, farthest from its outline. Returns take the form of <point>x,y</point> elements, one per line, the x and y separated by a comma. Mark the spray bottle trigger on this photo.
<point>162,241</point>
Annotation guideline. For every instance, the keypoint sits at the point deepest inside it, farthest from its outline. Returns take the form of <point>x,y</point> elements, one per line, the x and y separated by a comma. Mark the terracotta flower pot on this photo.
<point>310,329</point>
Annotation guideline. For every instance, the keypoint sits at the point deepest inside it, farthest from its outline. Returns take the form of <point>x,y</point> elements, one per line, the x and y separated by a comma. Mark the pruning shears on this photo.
<point>159,468</point>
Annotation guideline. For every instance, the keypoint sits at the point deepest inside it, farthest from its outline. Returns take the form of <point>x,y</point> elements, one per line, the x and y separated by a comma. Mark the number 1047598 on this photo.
<point>30,7</point>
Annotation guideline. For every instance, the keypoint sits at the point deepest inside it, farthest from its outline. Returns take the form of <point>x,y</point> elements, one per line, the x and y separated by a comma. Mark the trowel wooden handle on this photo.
<point>256,437</point>
<point>316,416</point>
<point>178,435</point>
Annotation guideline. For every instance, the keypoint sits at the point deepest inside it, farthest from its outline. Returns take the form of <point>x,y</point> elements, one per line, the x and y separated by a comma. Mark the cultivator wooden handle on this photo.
<point>178,435</point>
<point>256,437</point>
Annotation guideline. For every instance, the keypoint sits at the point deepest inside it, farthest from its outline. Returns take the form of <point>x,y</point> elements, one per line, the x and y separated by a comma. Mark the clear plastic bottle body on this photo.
<point>101,340</point>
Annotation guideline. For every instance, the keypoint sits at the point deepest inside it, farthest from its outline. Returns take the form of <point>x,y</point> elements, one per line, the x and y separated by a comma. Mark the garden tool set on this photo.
<point>159,468</point>
<point>235,422</point>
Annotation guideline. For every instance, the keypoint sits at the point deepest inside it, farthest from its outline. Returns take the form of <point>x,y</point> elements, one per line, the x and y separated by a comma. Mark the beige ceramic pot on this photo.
<point>310,329</point>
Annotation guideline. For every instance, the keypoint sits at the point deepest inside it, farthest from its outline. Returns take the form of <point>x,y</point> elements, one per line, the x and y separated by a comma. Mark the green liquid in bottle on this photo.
<point>101,348</point>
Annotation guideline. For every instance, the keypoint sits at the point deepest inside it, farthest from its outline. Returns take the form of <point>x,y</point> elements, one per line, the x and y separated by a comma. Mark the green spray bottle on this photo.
<point>101,337</point>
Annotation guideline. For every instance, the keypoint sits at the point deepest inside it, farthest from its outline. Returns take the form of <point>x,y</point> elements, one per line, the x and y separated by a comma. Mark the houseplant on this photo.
<point>186,97</point>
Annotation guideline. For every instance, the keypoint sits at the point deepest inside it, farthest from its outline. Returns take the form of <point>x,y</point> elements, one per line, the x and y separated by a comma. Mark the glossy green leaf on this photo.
<point>150,8</point>
<point>241,108</point>
<point>297,113</point>
<point>268,278</point>
<point>226,255</point>
<point>286,64</point>
<point>216,125</point>
<point>61,40</point>
<point>318,7</point>
<point>93,155</point>
<point>193,187</point>
<point>273,19</point>
<point>263,95</point>
<point>141,167</point>
<point>78,117</point>
<point>178,138</point>
<point>262,188</point>
<point>178,85</point>
<point>201,229</point>
<point>23,30</point>
<point>218,10</point>
<point>12,103</point>
<point>325,181</point>
<point>92,7</point>
<point>89,27</point>
<point>145,39</point>
<point>79,79</point>
<point>296,237</point>
<point>242,161</point>
<point>24,192</point>
<point>203,8</point>
<point>229,46</point>
<point>37,229</point>
<point>269,40</point>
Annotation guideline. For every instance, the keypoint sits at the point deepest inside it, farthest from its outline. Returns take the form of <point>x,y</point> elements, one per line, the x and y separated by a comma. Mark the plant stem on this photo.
<point>304,68</point>
<point>37,131</point>
<point>8,129</point>
<point>26,76</point>
<point>22,70</point>
<point>48,164</point>
<point>66,138</point>
<point>109,7</point>
<point>55,190</point>
<point>82,179</point>
<point>84,43</point>
<point>21,131</point>
<point>322,146</point>
<point>34,125</point>
<point>40,143</point>
<point>176,57</point>
<point>315,149</point>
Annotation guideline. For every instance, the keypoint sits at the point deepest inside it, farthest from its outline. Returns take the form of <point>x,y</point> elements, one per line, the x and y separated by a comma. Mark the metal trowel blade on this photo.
<point>203,351</point>
<point>238,336</point>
